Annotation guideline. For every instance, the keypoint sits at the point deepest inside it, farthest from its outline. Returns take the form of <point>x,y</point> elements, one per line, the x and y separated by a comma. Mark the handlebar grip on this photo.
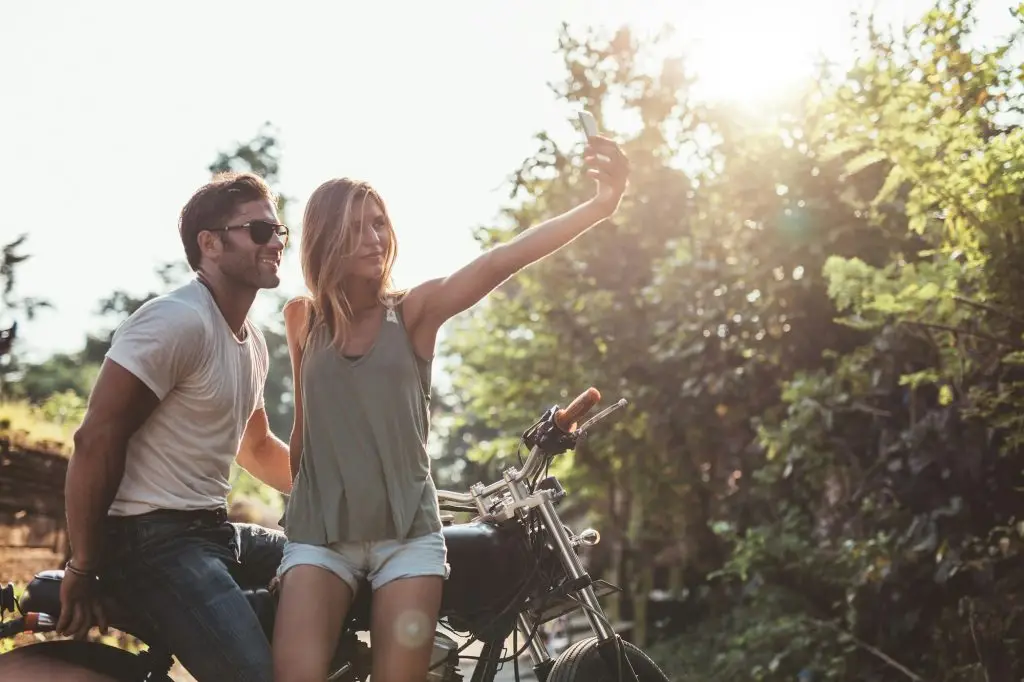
<point>584,402</point>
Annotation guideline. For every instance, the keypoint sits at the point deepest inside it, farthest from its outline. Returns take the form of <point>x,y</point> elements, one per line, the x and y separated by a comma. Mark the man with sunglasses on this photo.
<point>179,396</point>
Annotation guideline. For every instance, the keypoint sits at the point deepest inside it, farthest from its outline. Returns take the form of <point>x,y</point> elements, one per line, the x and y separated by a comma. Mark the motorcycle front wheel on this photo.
<point>582,662</point>
<point>69,659</point>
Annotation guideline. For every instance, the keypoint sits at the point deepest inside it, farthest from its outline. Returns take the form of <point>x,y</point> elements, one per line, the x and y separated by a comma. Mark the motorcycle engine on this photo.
<point>444,650</point>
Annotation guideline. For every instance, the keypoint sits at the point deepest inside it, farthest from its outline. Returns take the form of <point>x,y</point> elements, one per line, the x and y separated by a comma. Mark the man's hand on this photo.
<point>607,163</point>
<point>80,607</point>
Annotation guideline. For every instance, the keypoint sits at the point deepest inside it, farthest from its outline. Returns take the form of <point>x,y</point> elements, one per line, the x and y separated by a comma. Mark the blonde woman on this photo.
<point>364,508</point>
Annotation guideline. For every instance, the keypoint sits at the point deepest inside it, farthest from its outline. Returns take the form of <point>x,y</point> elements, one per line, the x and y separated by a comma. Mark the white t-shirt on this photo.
<point>209,383</point>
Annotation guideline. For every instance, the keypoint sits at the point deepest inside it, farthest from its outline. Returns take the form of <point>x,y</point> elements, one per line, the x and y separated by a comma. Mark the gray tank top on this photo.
<point>364,474</point>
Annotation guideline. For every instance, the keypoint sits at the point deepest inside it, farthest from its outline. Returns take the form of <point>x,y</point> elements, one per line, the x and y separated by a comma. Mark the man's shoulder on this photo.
<point>182,308</point>
<point>191,295</point>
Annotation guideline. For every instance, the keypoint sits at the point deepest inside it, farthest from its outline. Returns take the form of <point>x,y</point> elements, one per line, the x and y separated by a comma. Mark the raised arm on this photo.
<point>433,303</point>
<point>296,319</point>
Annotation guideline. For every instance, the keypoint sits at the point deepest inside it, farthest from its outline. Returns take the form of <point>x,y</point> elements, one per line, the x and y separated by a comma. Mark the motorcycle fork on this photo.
<point>539,653</point>
<point>609,645</point>
<point>574,567</point>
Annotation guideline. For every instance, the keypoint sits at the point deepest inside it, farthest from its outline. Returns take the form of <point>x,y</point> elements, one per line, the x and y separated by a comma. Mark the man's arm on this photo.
<point>118,406</point>
<point>263,454</point>
<point>150,353</point>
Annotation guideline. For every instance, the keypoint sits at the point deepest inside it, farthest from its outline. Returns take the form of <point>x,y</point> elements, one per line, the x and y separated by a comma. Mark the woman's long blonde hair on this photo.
<point>328,243</point>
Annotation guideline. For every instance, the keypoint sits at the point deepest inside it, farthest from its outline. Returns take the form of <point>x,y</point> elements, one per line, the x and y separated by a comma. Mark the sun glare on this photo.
<point>751,58</point>
<point>748,53</point>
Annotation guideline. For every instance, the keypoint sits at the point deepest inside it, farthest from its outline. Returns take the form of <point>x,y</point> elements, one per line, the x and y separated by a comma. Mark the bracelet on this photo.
<point>70,568</point>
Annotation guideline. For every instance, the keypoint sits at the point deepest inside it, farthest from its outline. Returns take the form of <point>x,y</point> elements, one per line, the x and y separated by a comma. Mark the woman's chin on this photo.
<point>368,275</point>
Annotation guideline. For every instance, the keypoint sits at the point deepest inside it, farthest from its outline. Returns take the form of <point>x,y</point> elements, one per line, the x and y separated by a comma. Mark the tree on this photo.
<point>743,232</point>
<point>13,307</point>
<point>883,543</point>
<point>12,257</point>
<point>812,316</point>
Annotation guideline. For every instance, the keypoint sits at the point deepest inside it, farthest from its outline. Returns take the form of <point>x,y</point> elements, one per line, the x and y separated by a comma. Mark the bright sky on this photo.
<point>113,110</point>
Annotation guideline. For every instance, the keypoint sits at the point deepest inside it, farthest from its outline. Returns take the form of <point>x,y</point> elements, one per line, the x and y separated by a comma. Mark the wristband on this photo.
<point>70,568</point>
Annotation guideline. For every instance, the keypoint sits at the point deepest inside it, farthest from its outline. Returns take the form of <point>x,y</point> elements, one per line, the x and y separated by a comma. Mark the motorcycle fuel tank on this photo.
<point>489,564</point>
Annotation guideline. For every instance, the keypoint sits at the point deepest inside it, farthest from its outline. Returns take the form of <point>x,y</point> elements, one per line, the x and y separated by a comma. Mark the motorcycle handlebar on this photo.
<point>535,461</point>
<point>12,628</point>
<point>584,402</point>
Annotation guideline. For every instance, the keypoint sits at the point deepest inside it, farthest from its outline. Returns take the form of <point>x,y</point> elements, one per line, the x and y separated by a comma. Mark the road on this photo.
<point>507,672</point>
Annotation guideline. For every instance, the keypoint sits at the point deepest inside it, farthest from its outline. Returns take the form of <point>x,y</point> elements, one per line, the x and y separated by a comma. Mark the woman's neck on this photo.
<point>364,297</point>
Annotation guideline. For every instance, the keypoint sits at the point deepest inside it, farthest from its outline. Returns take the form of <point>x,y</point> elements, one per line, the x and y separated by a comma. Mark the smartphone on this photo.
<point>588,122</point>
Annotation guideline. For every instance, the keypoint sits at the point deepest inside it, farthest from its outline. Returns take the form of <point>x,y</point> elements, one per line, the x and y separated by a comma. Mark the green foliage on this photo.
<point>64,408</point>
<point>51,430</point>
<point>888,481</point>
<point>819,327</point>
<point>58,374</point>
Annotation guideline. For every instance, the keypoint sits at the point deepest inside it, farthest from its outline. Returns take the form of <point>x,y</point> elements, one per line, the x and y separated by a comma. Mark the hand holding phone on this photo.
<point>588,122</point>
<point>604,162</point>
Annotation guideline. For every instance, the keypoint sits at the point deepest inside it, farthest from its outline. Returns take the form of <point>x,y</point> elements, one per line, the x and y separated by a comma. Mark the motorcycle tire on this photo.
<point>581,662</point>
<point>74,660</point>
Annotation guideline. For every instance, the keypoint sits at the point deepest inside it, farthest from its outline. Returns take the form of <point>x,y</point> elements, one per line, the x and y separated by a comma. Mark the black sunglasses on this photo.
<point>260,231</point>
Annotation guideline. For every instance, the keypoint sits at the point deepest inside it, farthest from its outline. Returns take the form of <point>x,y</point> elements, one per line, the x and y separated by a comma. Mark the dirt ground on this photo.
<point>19,565</point>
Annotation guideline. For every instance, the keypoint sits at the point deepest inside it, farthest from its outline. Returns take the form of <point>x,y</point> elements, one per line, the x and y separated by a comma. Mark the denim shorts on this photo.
<point>378,562</point>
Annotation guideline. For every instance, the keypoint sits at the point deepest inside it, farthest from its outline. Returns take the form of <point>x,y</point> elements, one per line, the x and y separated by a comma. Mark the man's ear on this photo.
<point>210,244</point>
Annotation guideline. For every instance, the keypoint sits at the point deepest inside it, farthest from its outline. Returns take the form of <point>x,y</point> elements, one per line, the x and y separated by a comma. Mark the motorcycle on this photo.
<point>513,567</point>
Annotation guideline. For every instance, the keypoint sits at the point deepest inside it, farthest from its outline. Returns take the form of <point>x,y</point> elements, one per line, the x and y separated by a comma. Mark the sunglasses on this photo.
<point>260,231</point>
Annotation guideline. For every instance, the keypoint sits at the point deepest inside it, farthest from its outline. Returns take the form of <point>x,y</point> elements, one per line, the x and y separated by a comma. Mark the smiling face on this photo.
<point>236,254</point>
<point>220,239</point>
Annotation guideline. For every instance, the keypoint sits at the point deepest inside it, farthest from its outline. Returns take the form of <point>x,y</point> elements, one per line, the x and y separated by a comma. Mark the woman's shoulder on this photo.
<point>396,297</point>
<point>297,313</point>
<point>299,305</point>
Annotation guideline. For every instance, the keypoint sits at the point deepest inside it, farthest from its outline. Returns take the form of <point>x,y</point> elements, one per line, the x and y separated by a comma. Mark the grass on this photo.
<point>25,425</point>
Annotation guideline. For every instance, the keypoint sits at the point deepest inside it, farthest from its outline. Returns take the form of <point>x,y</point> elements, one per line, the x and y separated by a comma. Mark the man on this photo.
<point>179,396</point>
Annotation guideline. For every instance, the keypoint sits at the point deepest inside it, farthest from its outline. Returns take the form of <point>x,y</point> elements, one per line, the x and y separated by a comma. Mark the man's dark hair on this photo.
<point>213,204</point>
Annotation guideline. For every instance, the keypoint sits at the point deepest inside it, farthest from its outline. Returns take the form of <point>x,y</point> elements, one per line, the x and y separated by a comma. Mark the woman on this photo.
<point>363,507</point>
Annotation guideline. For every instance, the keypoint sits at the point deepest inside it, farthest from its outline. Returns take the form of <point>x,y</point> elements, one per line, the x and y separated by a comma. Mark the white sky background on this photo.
<point>112,112</point>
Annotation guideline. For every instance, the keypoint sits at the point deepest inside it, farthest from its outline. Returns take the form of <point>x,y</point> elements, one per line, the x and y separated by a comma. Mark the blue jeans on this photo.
<point>180,576</point>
